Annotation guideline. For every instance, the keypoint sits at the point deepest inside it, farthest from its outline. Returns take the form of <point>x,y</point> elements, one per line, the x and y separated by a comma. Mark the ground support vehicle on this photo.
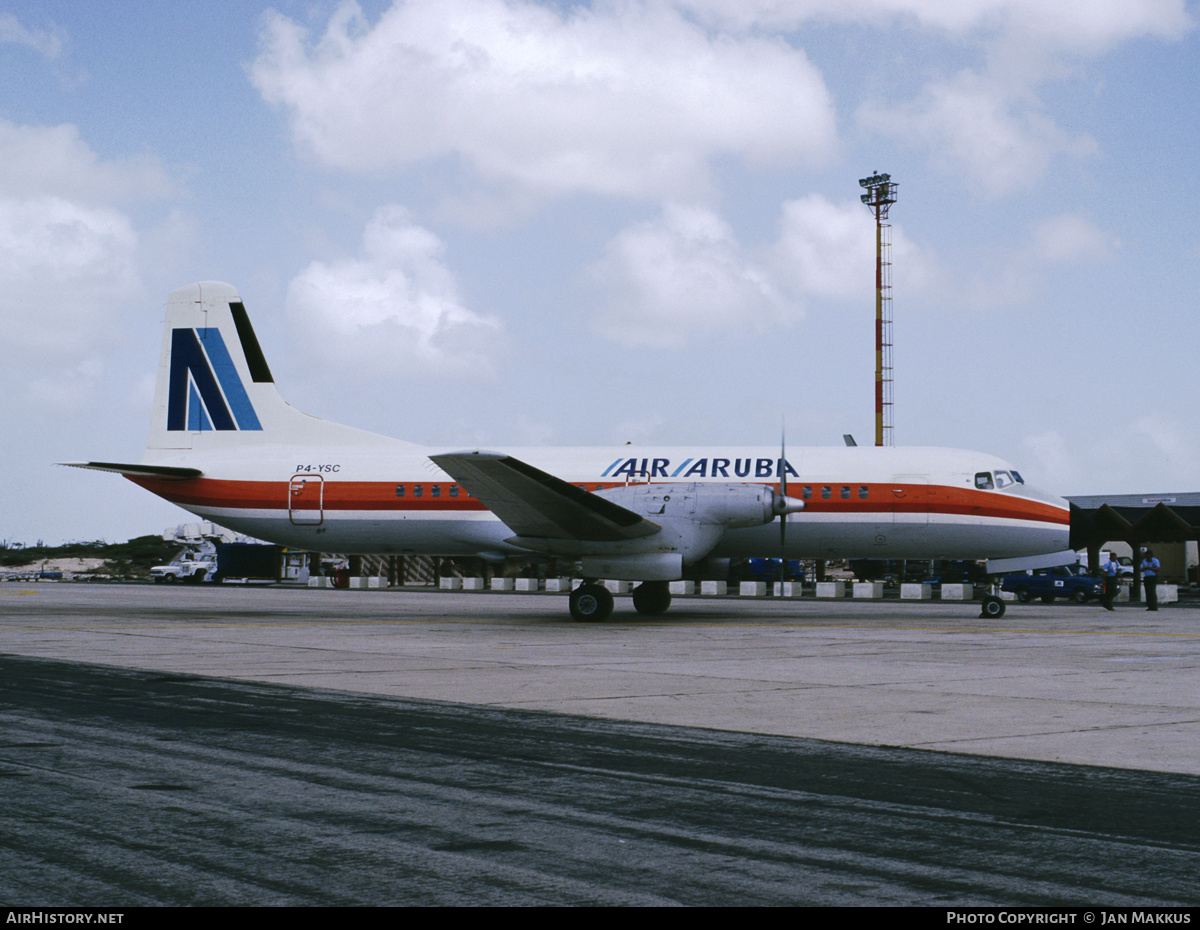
<point>1070,581</point>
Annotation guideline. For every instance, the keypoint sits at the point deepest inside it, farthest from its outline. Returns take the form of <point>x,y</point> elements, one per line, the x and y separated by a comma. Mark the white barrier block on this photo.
<point>831,589</point>
<point>958,592</point>
<point>528,585</point>
<point>916,592</point>
<point>1008,595</point>
<point>716,588</point>
<point>1122,595</point>
<point>364,581</point>
<point>618,587</point>
<point>753,589</point>
<point>1168,593</point>
<point>558,585</point>
<point>502,584</point>
<point>790,589</point>
<point>868,589</point>
<point>450,584</point>
<point>682,587</point>
<point>320,581</point>
<point>473,584</point>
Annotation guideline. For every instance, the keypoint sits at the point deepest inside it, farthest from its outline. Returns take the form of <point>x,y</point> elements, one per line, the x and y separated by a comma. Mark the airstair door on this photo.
<point>306,500</point>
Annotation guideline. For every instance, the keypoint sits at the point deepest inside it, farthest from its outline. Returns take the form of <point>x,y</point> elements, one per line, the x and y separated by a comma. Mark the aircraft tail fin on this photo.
<point>215,389</point>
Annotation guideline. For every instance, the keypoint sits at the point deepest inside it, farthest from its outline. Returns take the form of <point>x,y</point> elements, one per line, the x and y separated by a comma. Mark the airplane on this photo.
<point>227,447</point>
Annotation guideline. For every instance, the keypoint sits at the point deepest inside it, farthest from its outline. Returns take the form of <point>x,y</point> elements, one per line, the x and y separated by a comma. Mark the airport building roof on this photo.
<point>1134,518</point>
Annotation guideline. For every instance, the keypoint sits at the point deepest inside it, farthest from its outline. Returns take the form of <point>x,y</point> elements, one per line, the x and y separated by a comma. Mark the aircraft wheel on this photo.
<point>1023,595</point>
<point>591,603</point>
<point>1080,596</point>
<point>652,597</point>
<point>993,607</point>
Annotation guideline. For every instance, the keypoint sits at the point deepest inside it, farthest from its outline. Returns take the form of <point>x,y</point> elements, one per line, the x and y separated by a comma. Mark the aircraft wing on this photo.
<point>141,471</point>
<point>535,504</point>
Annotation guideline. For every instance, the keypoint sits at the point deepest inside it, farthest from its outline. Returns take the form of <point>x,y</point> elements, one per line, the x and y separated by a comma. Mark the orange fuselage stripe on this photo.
<point>360,496</point>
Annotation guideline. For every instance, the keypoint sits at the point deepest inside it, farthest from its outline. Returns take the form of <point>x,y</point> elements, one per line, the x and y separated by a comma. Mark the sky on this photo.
<point>503,223</point>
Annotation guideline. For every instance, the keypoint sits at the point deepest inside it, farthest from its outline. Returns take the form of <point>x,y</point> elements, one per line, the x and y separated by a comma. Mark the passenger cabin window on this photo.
<point>806,492</point>
<point>417,490</point>
<point>845,492</point>
<point>399,490</point>
<point>454,490</point>
<point>435,490</point>
<point>863,492</point>
<point>826,492</point>
<point>983,480</point>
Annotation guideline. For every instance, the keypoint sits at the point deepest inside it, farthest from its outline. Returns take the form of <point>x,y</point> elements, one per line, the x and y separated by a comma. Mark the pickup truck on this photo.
<point>1065,581</point>
<point>191,565</point>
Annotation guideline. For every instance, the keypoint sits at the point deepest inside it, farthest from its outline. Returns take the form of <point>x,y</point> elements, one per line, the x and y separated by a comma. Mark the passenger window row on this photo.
<point>435,490</point>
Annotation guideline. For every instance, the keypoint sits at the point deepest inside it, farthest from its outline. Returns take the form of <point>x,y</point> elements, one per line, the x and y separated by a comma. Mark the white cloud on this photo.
<point>826,249</point>
<point>1089,25</point>
<point>63,267</point>
<point>680,276</point>
<point>628,98</point>
<point>53,160</point>
<point>1014,277</point>
<point>1069,239</point>
<point>394,312</point>
<point>45,42</point>
<point>685,275</point>
<point>68,258</point>
<point>982,128</point>
<point>988,124</point>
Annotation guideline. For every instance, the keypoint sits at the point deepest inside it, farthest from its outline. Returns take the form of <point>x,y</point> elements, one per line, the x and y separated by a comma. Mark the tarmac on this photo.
<point>1057,683</point>
<point>237,745</point>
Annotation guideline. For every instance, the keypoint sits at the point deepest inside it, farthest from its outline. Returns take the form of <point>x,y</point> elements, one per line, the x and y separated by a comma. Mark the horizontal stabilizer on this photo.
<point>140,471</point>
<point>535,504</point>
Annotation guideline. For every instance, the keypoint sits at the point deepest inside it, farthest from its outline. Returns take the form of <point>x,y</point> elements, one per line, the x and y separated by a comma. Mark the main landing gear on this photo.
<point>652,597</point>
<point>593,603</point>
<point>992,607</point>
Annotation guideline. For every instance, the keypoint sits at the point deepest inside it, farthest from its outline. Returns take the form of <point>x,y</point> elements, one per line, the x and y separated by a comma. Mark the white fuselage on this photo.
<point>860,502</point>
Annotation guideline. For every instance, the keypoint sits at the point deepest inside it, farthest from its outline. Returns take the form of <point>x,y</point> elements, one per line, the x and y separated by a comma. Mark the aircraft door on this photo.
<point>306,500</point>
<point>910,499</point>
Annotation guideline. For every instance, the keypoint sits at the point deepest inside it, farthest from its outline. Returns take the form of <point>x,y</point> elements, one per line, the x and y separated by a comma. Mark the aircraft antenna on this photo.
<point>881,194</point>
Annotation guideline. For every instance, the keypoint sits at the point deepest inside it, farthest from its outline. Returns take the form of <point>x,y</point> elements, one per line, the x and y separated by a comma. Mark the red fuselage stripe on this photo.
<point>359,496</point>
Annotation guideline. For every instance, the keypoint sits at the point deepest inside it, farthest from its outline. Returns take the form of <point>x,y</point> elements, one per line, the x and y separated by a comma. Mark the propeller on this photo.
<point>782,505</point>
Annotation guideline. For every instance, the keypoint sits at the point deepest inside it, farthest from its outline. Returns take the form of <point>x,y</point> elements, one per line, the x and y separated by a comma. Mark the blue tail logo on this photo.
<point>205,392</point>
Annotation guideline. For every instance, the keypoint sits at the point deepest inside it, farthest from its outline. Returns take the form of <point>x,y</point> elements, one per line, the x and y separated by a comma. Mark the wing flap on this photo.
<point>535,504</point>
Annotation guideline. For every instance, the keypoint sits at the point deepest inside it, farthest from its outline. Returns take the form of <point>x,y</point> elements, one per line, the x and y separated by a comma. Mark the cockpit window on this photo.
<point>1003,479</point>
<point>1017,475</point>
<point>983,480</point>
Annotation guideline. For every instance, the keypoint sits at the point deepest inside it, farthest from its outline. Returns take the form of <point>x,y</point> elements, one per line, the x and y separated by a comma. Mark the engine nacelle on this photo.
<point>692,517</point>
<point>727,505</point>
<point>695,516</point>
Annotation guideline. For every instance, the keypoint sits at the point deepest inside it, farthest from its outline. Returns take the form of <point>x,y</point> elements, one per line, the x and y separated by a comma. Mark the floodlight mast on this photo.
<point>881,194</point>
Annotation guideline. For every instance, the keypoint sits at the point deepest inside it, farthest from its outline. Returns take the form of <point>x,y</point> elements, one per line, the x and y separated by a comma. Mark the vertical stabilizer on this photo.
<point>215,389</point>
